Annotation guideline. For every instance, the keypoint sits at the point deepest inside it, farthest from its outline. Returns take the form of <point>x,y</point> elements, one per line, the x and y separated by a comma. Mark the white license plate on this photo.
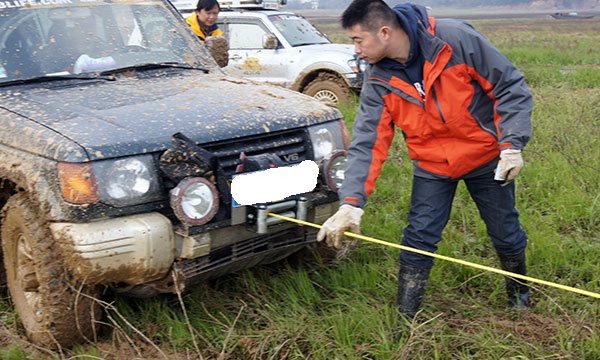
<point>274,184</point>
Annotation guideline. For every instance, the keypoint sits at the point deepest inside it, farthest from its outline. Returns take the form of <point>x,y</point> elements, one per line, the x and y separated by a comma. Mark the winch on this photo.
<point>258,219</point>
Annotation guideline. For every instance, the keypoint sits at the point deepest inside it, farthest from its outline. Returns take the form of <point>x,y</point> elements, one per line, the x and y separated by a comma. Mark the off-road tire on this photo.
<point>329,89</point>
<point>54,310</point>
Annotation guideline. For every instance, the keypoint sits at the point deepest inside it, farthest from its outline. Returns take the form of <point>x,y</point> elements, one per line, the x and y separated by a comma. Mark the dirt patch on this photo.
<point>11,339</point>
<point>218,47</point>
<point>530,326</point>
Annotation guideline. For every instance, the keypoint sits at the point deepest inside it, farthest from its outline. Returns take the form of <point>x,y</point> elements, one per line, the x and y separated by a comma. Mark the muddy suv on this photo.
<point>283,48</point>
<point>120,138</point>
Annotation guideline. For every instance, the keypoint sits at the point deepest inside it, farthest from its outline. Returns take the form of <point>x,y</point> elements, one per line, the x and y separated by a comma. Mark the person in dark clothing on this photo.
<point>464,111</point>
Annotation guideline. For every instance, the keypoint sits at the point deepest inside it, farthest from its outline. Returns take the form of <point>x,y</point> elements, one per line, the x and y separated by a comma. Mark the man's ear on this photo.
<point>384,33</point>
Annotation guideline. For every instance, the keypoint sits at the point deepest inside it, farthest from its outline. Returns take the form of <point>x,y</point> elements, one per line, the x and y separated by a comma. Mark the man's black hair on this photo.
<point>207,5</point>
<point>369,14</point>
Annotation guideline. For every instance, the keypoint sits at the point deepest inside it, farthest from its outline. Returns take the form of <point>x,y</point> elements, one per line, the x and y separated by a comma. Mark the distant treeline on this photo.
<point>341,4</point>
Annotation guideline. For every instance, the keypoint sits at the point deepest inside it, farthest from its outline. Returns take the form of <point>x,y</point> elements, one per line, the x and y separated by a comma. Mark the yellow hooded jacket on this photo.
<point>192,20</point>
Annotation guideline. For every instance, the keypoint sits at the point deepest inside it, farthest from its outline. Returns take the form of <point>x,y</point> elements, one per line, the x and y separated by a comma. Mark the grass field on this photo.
<point>344,308</point>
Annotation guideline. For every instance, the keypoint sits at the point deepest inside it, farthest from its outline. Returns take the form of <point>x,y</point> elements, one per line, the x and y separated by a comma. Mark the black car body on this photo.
<point>90,199</point>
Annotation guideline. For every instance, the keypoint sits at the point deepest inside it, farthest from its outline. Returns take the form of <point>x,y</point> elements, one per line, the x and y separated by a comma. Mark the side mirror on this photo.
<point>218,48</point>
<point>283,2</point>
<point>270,41</point>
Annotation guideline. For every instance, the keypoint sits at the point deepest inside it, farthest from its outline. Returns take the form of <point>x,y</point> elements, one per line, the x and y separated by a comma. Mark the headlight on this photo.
<point>127,181</point>
<point>328,138</point>
<point>195,201</point>
<point>357,64</point>
<point>333,169</point>
<point>362,65</point>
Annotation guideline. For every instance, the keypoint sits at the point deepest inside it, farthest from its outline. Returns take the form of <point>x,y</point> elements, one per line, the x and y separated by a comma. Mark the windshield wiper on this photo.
<point>102,75</point>
<point>304,44</point>
<point>148,66</point>
<point>56,77</point>
<point>309,43</point>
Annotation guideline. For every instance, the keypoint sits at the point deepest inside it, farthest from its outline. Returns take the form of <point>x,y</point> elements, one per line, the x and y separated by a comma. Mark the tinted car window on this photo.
<point>38,40</point>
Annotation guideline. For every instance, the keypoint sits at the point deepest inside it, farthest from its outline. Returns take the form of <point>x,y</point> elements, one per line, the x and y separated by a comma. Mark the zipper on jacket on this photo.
<point>420,90</point>
<point>437,103</point>
<point>402,94</point>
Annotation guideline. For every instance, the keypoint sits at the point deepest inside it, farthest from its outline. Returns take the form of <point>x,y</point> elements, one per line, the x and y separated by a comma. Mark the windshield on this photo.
<point>63,37</point>
<point>297,31</point>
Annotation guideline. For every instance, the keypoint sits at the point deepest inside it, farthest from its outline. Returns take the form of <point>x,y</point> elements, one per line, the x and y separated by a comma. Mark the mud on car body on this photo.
<point>280,47</point>
<point>119,137</point>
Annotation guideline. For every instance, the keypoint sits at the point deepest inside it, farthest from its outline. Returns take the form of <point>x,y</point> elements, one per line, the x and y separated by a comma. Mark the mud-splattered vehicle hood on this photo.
<point>120,140</point>
<point>81,120</point>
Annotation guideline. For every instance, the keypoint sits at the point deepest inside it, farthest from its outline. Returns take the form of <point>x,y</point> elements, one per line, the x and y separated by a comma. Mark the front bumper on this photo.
<point>355,80</point>
<point>141,250</point>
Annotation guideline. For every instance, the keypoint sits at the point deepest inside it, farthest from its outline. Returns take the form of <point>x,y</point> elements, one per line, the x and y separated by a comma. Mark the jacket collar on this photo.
<point>410,17</point>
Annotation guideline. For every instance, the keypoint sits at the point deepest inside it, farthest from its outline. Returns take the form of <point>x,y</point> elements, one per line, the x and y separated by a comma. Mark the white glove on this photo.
<point>347,217</point>
<point>511,165</point>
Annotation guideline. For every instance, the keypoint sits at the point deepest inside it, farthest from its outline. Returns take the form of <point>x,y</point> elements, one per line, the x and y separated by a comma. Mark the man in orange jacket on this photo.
<point>462,107</point>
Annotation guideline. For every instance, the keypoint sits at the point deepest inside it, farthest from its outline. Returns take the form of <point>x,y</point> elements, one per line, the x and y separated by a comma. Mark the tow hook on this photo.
<point>258,219</point>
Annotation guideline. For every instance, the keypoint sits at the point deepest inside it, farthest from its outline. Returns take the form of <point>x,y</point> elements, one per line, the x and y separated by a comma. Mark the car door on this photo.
<point>248,58</point>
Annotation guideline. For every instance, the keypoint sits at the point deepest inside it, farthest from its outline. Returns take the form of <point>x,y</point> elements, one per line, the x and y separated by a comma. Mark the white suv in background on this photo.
<point>283,48</point>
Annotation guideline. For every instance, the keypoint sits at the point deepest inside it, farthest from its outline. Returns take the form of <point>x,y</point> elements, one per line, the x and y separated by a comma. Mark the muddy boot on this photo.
<point>516,289</point>
<point>412,281</point>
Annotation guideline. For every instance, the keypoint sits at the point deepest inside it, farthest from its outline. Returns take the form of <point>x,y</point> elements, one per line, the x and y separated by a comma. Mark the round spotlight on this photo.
<point>333,170</point>
<point>195,201</point>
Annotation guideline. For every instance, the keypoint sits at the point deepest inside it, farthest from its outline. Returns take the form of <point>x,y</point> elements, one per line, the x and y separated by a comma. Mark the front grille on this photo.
<point>290,145</point>
<point>244,254</point>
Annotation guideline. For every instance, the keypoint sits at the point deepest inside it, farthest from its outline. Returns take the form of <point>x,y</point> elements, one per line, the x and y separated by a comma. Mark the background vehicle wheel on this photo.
<point>329,89</point>
<point>52,312</point>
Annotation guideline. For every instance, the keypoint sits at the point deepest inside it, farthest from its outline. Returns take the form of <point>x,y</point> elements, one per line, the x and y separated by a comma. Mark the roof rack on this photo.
<point>251,4</point>
<point>185,6</point>
<point>189,6</point>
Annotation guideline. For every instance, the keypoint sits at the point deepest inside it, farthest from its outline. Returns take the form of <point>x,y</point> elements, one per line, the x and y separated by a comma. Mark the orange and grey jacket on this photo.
<point>475,104</point>
<point>192,21</point>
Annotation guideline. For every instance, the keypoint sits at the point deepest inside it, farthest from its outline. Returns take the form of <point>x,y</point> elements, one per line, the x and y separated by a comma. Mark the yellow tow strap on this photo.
<point>447,258</point>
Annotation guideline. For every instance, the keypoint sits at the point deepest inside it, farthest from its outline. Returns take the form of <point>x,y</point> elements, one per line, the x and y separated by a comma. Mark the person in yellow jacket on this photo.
<point>204,19</point>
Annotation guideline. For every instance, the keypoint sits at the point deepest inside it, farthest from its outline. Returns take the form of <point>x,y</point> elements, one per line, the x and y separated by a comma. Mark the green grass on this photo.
<point>345,308</point>
<point>560,54</point>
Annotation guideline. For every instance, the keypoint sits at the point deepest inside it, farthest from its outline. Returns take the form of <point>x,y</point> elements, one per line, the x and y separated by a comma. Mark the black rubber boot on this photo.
<point>412,281</point>
<point>516,289</point>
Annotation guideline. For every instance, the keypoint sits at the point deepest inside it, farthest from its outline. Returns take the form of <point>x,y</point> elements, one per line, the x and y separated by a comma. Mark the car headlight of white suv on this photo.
<point>358,65</point>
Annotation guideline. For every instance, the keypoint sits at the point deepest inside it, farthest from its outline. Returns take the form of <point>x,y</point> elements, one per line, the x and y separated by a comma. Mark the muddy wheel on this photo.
<point>54,310</point>
<point>329,89</point>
